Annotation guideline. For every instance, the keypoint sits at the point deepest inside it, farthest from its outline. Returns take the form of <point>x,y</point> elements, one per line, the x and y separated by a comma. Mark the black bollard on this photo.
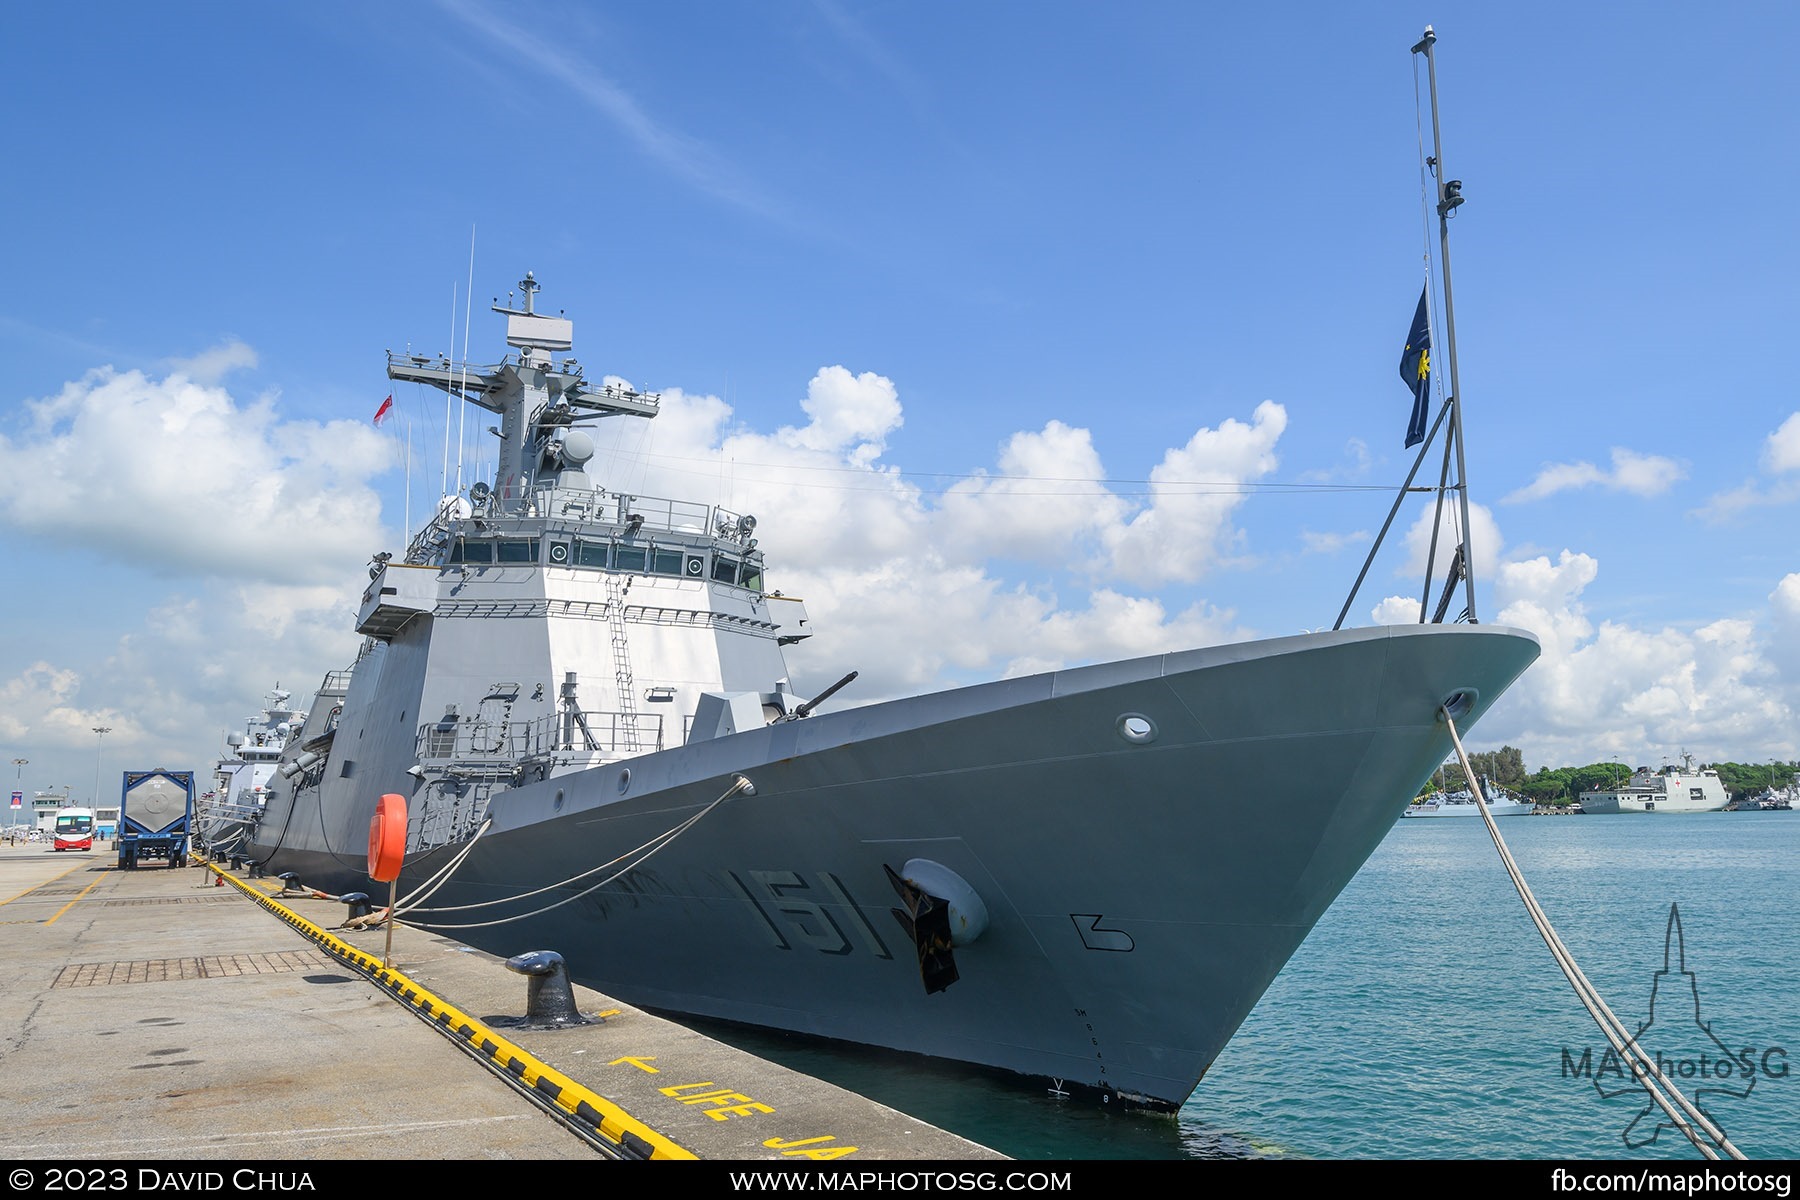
<point>549,997</point>
<point>290,881</point>
<point>237,862</point>
<point>358,902</point>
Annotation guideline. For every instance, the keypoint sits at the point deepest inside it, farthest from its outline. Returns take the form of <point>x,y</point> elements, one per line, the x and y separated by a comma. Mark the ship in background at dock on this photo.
<point>582,696</point>
<point>223,816</point>
<point>1461,803</point>
<point>1670,790</point>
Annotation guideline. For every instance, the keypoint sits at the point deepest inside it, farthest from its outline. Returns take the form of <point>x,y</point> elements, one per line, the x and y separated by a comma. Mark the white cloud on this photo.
<point>1485,538</point>
<point>904,590</point>
<point>1784,646</point>
<point>1749,494</point>
<point>1312,542</point>
<point>231,540</point>
<point>1544,598</point>
<point>1728,689</point>
<point>1640,694</point>
<point>1782,451</point>
<point>1396,610</point>
<point>855,412</point>
<point>211,366</point>
<point>1042,506</point>
<point>186,671</point>
<point>1638,474</point>
<point>1195,489</point>
<point>179,478</point>
<point>1781,454</point>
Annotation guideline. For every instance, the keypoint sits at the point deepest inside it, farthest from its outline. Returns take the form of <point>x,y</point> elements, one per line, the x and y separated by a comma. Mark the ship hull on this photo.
<point>1151,840</point>
<point>1607,803</point>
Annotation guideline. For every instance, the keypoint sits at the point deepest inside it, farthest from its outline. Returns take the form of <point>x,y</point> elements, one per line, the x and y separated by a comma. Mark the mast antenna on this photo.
<point>463,390</point>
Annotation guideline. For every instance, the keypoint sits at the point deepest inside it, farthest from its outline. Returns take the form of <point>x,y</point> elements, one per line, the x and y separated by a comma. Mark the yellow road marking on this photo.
<point>570,1097</point>
<point>84,891</point>
<point>34,887</point>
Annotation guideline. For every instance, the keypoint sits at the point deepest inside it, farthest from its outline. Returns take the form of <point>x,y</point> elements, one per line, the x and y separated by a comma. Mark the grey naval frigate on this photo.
<point>223,815</point>
<point>1086,877</point>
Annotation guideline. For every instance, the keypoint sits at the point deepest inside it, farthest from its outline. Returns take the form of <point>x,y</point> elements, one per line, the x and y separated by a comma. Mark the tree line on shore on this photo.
<point>1564,785</point>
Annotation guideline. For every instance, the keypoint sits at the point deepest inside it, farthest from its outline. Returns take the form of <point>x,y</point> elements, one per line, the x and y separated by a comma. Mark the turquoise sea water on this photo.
<point>1424,1018</point>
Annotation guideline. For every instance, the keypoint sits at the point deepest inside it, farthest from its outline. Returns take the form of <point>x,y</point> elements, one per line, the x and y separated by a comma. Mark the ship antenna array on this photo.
<point>463,416</point>
<point>1461,566</point>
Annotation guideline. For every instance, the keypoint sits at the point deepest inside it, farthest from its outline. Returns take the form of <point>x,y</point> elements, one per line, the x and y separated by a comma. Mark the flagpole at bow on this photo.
<point>1449,197</point>
<point>1416,373</point>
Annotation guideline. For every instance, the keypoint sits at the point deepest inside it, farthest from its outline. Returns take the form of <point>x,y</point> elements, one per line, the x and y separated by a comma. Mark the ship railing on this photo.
<point>684,516</point>
<point>639,514</point>
<point>466,746</point>
<point>600,731</point>
<point>220,811</point>
<point>428,544</point>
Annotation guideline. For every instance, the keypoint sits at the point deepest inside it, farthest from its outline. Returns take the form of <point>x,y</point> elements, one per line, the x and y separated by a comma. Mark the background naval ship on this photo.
<point>1086,877</point>
<point>1669,790</point>
<point>223,816</point>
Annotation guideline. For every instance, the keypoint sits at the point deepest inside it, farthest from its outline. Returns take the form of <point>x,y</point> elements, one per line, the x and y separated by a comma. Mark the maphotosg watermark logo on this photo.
<point>1682,1047</point>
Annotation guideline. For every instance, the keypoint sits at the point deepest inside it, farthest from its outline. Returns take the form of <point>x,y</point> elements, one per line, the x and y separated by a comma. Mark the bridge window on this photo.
<point>630,558</point>
<point>666,561</point>
<point>470,551</point>
<point>752,577</point>
<point>591,554</point>
<point>519,550</point>
<point>725,569</point>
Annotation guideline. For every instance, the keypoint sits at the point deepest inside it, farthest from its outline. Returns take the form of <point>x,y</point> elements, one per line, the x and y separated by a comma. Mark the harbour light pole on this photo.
<point>102,731</point>
<point>19,765</point>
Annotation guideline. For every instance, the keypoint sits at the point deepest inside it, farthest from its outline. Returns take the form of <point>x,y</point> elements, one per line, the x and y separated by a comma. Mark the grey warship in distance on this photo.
<point>224,815</point>
<point>1086,877</point>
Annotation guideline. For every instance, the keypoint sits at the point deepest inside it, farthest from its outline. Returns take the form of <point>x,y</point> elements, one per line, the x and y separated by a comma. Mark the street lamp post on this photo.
<point>19,765</point>
<point>99,741</point>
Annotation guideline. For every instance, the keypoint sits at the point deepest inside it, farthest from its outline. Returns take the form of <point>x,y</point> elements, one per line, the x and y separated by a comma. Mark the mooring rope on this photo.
<point>642,855</point>
<point>1643,1068</point>
<point>424,891</point>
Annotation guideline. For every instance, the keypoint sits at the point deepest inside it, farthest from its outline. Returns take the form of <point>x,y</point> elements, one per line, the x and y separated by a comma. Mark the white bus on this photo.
<point>74,829</point>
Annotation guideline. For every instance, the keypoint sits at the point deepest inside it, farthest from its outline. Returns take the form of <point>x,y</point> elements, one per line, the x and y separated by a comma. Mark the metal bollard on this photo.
<point>549,997</point>
<point>290,882</point>
<point>256,871</point>
<point>237,862</point>
<point>359,904</point>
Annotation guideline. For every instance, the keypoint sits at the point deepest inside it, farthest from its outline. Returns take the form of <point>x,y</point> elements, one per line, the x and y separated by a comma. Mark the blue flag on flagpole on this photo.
<point>1415,369</point>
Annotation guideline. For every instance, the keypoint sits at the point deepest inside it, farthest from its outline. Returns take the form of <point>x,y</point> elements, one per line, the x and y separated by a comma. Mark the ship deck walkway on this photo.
<point>195,1013</point>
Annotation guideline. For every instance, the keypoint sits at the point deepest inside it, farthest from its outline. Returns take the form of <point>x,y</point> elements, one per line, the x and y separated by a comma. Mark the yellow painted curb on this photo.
<point>601,1122</point>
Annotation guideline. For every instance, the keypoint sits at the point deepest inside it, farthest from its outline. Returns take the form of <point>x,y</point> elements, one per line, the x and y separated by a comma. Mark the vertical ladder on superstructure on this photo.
<point>615,616</point>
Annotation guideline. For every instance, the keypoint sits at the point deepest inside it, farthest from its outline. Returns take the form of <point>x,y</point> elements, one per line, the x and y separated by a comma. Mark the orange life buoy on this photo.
<point>387,838</point>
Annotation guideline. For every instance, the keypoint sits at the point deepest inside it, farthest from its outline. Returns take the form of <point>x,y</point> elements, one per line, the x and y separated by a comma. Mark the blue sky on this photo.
<point>936,291</point>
